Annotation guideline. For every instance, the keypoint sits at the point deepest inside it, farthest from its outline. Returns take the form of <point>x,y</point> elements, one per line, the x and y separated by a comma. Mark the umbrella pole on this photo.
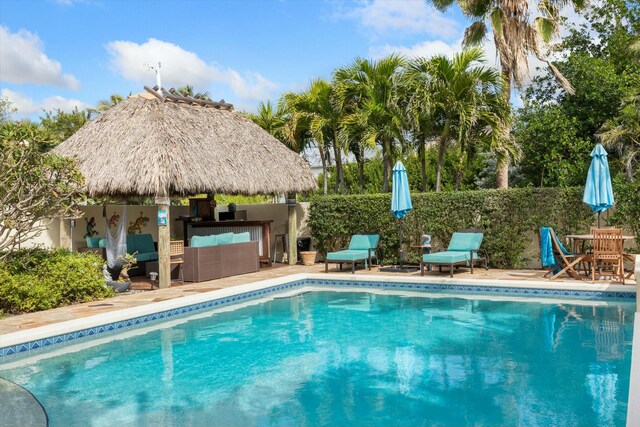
<point>598,219</point>
<point>401,253</point>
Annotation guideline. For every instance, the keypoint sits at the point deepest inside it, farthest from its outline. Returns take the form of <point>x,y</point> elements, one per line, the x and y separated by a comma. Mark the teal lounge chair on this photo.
<point>464,249</point>
<point>362,248</point>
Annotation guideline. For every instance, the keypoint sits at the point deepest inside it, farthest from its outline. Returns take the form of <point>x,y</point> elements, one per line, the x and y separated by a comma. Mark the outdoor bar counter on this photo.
<point>259,231</point>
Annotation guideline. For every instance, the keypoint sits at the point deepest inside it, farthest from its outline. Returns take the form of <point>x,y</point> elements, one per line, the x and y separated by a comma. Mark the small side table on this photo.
<point>424,249</point>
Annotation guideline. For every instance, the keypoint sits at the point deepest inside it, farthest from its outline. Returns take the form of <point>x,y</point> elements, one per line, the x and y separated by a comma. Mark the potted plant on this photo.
<point>118,277</point>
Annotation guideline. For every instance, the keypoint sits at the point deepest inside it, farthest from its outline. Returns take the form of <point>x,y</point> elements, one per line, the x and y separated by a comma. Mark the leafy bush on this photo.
<point>39,279</point>
<point>627,208</point>
<point>510,220</point>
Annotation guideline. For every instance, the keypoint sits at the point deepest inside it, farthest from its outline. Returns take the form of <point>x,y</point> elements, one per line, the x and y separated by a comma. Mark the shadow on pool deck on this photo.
<point>143,294</point>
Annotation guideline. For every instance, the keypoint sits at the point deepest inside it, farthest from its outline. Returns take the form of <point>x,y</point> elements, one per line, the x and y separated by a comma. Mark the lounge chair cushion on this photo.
<point>241,237</point>
<point>448,257</point>
<point>359,242</point>
<point>465,242</point>
<point>146,256</point>
<point>348,255</point>
<point>374,239</point>
<point>102,243</point>
<point>204,241</point>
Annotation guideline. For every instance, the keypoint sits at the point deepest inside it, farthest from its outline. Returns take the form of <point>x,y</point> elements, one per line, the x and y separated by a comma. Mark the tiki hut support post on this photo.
<point>293,229</point>
<point>164,237</point>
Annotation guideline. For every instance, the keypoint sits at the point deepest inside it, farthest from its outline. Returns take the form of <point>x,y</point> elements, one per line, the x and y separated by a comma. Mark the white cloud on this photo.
<point>27,106</point>
<point>425,49</point>
<point>409,16</point>
<point>181,67</point>
<point>22,60</point>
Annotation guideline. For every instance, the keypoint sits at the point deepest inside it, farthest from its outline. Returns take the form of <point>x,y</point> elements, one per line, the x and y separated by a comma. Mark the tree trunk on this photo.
<point>502,165</point>
<point>441,149</point>
<point>361,169</point>
<point>337,152</point>
<point>459,171</point>
<point>386,165</point>
<point>323,159</point>
<point>422,154</point>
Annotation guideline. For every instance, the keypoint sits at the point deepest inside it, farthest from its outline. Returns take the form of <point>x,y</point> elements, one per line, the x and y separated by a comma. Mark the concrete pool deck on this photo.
<point>147,296</point>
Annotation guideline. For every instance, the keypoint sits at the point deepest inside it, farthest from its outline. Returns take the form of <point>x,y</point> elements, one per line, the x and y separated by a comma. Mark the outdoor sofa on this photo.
<point>464,250</point>
<point>141,246</point>
<point>362,248</point>
<point>222,255</point>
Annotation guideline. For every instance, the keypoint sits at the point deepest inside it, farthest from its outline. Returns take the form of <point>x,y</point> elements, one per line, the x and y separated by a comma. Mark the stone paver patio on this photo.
<point>33,320</point>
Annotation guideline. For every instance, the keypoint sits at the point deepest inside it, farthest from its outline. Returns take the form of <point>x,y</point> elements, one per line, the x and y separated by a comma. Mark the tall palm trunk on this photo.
<point>361,168</point>
<point>502,164</point>
<point>323,159</point>
<point>459,170</point>
<point>386,165</point>
<point>444,138</point>
<point>337,152</point>
<point>422,155</point>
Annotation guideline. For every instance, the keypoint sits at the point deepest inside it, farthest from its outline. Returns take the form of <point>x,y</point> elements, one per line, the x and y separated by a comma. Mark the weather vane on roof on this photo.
<point>157,70</point>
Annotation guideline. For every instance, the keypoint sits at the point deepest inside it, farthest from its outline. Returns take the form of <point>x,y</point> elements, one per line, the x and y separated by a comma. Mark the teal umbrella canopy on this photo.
<point>598,192</point>
<point>400,195</point>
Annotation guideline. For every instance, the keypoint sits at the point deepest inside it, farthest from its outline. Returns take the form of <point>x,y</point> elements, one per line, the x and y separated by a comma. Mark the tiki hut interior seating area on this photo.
<point>463,250</point>
<point>141,246</point>
<point>221,255</point>
<point>362,248</point>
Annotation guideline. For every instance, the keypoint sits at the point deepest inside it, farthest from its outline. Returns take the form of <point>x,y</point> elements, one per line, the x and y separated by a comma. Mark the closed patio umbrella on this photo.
<point>598,192</point>
<point>400,206</point>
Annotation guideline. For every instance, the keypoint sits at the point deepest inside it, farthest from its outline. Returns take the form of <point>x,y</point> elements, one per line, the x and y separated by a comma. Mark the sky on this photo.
<point>67,53</point>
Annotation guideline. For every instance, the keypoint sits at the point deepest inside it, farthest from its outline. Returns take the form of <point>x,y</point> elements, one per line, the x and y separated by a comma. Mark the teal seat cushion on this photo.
<point>225,238</point>
<point>448,257</point>
<point>348,255</point>
<point>140,243</point>
<point>146,256</point>
<point>465,241</point>
<point>359,242</point>
<point>241,237</point>
<point>102,243</point>
<point>93,242</point>
<point>204,241</point>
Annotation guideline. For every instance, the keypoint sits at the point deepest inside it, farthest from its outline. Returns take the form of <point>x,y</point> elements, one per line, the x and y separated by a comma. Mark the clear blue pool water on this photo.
<point>352,359</point>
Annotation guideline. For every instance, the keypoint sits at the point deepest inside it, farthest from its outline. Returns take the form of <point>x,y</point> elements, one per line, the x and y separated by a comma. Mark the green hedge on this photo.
<point>509,218</point>
<point>39,279</point>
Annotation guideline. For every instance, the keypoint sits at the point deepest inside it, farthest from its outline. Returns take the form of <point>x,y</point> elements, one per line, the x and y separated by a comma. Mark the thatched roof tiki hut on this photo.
<point>161,145</point>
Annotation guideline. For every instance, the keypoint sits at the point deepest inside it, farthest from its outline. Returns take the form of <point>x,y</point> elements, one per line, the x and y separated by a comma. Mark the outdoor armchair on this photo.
<point>555,257</point>
<point>464,249</point>
<point>362,248</point>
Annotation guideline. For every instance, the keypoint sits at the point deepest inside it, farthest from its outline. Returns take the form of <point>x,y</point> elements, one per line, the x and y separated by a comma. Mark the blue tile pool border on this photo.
<point>14,352</point>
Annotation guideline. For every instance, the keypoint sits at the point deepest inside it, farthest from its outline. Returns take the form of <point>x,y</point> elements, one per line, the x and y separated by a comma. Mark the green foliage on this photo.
<point>510,219</point>
<point>39,279</point>
<point>61,125</point>
<point>627,208</point>
<point>34,187</point>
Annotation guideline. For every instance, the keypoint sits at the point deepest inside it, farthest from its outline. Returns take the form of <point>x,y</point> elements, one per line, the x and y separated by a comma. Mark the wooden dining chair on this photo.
<point>567,262</point>
<point>607,259</point>
<point>176,253</point>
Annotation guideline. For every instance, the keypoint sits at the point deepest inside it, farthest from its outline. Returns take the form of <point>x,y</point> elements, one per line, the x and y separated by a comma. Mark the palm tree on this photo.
<point>188,91</point>
<point>515,35</point>
<point>273,121</point>
<point>315,112</point>
<point>463,97</point>
<point>623,132</point>
<point>368,90</point>
<point>105,104</point>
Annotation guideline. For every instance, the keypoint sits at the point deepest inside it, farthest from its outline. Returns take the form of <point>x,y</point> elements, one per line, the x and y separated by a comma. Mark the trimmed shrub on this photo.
<point>510,220</point>
<point>39,279</point>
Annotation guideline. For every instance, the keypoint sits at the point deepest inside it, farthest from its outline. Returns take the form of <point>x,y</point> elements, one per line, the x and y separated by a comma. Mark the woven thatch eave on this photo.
<point>142,147</point>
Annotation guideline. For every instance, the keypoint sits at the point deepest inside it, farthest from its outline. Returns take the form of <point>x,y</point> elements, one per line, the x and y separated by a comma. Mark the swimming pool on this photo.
<point>352,358</point>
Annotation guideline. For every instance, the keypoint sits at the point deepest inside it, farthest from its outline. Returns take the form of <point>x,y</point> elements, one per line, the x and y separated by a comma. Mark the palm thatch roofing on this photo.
<point>147,145</point>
